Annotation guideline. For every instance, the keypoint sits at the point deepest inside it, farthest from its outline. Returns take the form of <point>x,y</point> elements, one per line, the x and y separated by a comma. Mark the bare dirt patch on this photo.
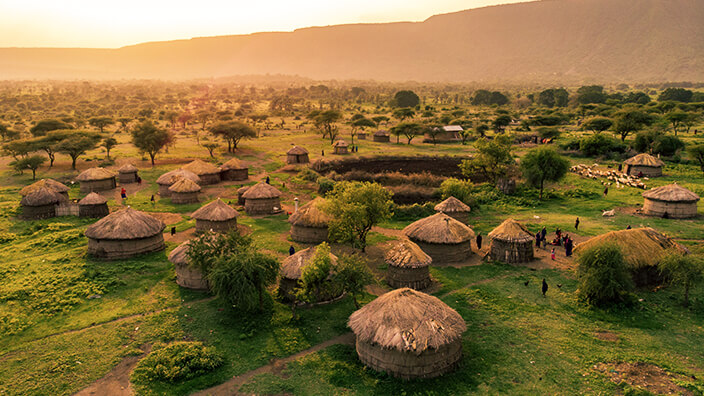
<point>167,218</point>
<point>606,336</point>
<point>117,381</point>
<point>644,376</point>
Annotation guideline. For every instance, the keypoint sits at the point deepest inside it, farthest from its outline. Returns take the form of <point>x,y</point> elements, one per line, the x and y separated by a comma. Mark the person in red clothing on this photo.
<point>123,193</point>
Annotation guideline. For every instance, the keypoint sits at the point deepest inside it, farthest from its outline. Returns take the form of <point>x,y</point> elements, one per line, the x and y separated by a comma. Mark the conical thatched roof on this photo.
<point>233,164</point>
<point>184,185</point>
<point>93,174</point>
<point>408,321</point>
<point>310,215</point>
<point>42,196</point>
<point>292,265</point>
<point>200,167</point>
<point>340,143</point>
<point>671,193</point>
<point>179,255</point>
<point>439,229</point>
<point>641,247</point>
<point>381,133</point>
<point>261,190</point>
<point>215,211</point>
<point>406,254</point>
<point>452,205</point>
<point>52,184</point>
<point>171,177</point>
<point>125,224</point>
<point>644,160</point>
<point>511,231</point>
<point>127,168</point>
<point>297,150</point>
<point>93,199</point>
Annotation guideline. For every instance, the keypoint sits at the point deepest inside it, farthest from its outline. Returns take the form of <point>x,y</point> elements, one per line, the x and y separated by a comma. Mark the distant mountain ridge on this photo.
<point>542,41</point>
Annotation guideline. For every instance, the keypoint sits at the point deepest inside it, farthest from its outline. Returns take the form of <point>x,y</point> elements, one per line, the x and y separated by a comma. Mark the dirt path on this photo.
<point>231,387</point>
<point>117,381</point>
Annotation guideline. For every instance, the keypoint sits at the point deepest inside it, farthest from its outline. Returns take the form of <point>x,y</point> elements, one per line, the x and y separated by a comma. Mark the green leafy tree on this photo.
<point>353,275</point>
<point>408,129</point>
<point>403,113</point>
<point>211,146</point>
<point>685,271</point>
<point>32,162</point>
<point>696,153</point>
<point>124,121</point>
<point>381,119</point>
<point>631,120</point>
<point>361,124</point>
<point>233,132</point>
<point>150,139</point>
<point>101,122</point>
<point>483,97</point>
<point>603,275</point>
<point>677,119</point>
<point>76,143</point>
<point>597,124</point>
<point>19,148</point>
<point>492,161</point>
<point>591,94</point>
<point>203,116</point>
<point>543,164</point>
<point>108,143</point>
<point>316,281</point>
<point>433,130</point>
<point>676,95</point>
<point>500,123</point>
<point>326,123</point>
<point>44,126</point>
<point>553,97</point>
<point>406,99</point>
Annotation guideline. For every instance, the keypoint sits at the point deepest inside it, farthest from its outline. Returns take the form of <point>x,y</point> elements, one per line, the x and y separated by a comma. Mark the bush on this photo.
<point>572,144</point>
<point>413,212</point>
<point>657,143</point>
<point>176,362</point>
<point>325,185</point>
<point>460,189</point>
<point>600,144</point>
<point>308,174</point>
<point>603,276</point>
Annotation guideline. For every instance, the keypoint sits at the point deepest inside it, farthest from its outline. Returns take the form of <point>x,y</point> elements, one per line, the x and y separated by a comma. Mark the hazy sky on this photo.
<point>115,23</point>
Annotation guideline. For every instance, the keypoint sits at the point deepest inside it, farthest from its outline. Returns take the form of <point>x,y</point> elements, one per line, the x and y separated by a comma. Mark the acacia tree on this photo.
<point>233,132</point>
<point>108,143</point>
<point>629,121</point>
<point>492,161</point>
<point>150,139</point>
<point>403,113</point>
<point>210,146</point>
<point>44,126</point>
<point>32,163</point>
<point>101,122</point>
<point>76,143</point>
<point>681,270</point>
<point>597,124</point>
<point>543,164</point>
<point>326,123</point>
<point>500,123</point>
<point>408,129</point>
<point>380,119</point>
<point>360,123</point>
<point>696,153</point>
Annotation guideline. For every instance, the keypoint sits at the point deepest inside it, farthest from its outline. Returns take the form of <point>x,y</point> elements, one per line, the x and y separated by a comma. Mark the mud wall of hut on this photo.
<point>98,185</point>
<point>511,252</point>
<point>213,178</point>
<point>217,226</point>
<point>127,178</point>
<point>408,365</point>
<point>309,234</point>
<point>164,190</point>
<point>648,171</point>
<point>113,249</point>
<point>446,254</point>
<point>184,197</point>
<point>235,174</point>
<point>39,212</point>
<point>297,159</point>
<point>674,210</point>
<point>100,210</point>
<point>262,205</point>
<point>189,277</point>
<point>415,278</point>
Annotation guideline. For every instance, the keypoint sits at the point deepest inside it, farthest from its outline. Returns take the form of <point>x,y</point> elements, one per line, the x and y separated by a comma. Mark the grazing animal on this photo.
<point>526,283</point>
<point>545,287</point>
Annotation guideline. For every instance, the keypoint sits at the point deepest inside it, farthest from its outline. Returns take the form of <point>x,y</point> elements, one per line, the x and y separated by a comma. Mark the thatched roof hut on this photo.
<point>125,233</point>
<point>340,147</point>
<point>297,155</point>
<point>127,174</point>
<point>184,191</point>
<point>208,173</point>
<point>50,183</point>
<point>408,334</point>
<point>186,275</point>
<point>643,248</point>
<point>262,198</point>
<point>443,238</point>
<point>381,136</point>
<point>240,193</point>
<point>167,179</point>
<point>672,201</point>
<point>291,270</point>
<point>309,224</point>
<point>454,208</point>
<point>93,205</point>
<point>511,243</point>
<point>234,170</point>
<point>96,179</point>
<point>41,203</point>
<point>216,216</point>
<point>643,163</point>
<point>408,266</point>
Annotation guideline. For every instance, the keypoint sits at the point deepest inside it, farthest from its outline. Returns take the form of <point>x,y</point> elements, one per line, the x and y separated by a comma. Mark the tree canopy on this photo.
<point>492,161</point>
<point>76,143</point>
<point>406,99</point>
<point>543,164</point>
<point>150,139</point>
<point>603,275</point>
<point>233,132</point>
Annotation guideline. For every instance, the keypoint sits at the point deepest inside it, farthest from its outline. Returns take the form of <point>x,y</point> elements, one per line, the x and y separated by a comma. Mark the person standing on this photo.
<point>545,287</point>
<point>479,241</point>
<point>268,180</point>
<point>606,191</point>
<point>123,193</point>
<point>543,233</point>
<point>537,239</point>
<point>576,224</point>
<point>153,200</point>
<point>291,250</point>
<point>552,254</point>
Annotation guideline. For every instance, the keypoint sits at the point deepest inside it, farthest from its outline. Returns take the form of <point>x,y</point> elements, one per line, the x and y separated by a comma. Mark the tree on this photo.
<point>543,164</point>
<point>32,163</point>
<point>353,275</point>
<point>691,120</point>
<point>487,98</point>
<point>124,121</point>
<point>403,113</point>
<point>433,130</point>
<point>686,271</point>
<point>315,281</point>
<point>203,116</point>
<point>380,119</point>
<point>210,146</point>
<point>44,126</point>
<point>603,276</point>
<point>631,120</point>
<point>108,143</point>
<point>185,118</point>
<point>406,99</point>
<point>19,148</point>
<point>676,119</point>
<point>408,129</point>
<point>355,207</point>
<point>360,123</point>
<point>492,161</point>
<point>150,139</point>
<point>597,124</point>
<point>48,143</point>
<point>591,94</point>
<point>233,132</point>
<point>326,123</point>
<point>696,153</point>
<point>3,131</point>
<point>101,122</point>
<point>553,97</point>
<point>76,144</point>
<point>501,122</point>
<point>676,95</point>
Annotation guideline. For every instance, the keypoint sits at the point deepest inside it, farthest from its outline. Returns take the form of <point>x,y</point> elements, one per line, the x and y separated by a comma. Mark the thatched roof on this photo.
<point>641,247</point>
<point>93,199</point>
<point>297,150</point>
<point>671,193</point>
<point>408,321</point>
<point>439,229</point>
<point>171,177</point>
<point>125,224</point>
<point>200,167</point>
<point>52,184</point>
<point>179,255</point>
<point>381,133</point>
<point>311,215</point>
<point>215,211</point>
<point>511,231</point>
<point>406,254</point>
<point>452,205</point>
<point>644,160</point>
<point>94,174</point>
<point>292,265</point>
<point>127,168</point>
<point>42,196</point>
<point>261,190</point>
<point>340,143</point>
<point>233,164</point>
<point>184,185</point>
<point>242,189</point>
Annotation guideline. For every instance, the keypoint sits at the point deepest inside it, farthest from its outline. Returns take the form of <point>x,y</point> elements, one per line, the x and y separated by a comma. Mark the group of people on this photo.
<point>561,239</point>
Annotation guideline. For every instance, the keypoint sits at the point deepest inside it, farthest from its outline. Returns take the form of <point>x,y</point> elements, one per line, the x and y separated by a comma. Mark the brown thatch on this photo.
<point>93,199</point>
<point>215,211</point>
<point>297,155</point>
<point>93,205</point>
<point>452,205</point>
<point>671,201</point>
<point>511,231</point>
<point>127,174</point>
<point>186,275</point>
<point>291,271</point>
<point>234,170</point>
<point>173,176</point>
<point>340,147</point>
<point>341,143</point>
<point>671,193</point>
<point>184,185</point>
<point>240,193</point>
<point>297,150</point>
<point>94,174</point>
<point>200,168</point>
<point>381,133</point>
<point>511,243</point>
<point>126,224</point>
<point>52,184</point>
<point>261,190</point>
<point>127,168</point>
<point>41,197</point>
<point>381,137</point>
<point>234,164</point>
<point>309,224</point>
<point>644,160</point>
<point>408,266</point>
<point>439,229</point>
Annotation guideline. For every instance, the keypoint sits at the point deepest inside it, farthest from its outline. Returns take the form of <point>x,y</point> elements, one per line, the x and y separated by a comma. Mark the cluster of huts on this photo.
<point>48,198</point>
<point>184,184</point>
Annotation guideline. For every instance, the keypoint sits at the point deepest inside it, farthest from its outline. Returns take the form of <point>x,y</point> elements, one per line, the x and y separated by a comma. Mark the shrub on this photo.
<point>413,212</point>
<point>176,362</point>
<point>325,185</point>
<point>657,143</point>
<point>572,144</point>
<point>600,144</point>
<point>308,174</point>
<point>684,271</point>
<point>603,276</point>
<point>460,189</point>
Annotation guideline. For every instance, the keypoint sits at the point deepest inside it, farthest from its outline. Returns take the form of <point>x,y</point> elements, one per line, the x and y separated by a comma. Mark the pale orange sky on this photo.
<point>110,24</point>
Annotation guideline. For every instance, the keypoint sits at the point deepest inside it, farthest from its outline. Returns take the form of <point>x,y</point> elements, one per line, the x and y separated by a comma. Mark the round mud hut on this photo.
<point>240,193</point>
<point>184,191</point>
<point>96,179</point>
<point>291,270</point>
<point>408,334</point>
<point>186,275</point>
<point>441,237</point>
<point>340,147</point>
<point>234,170</point>
<point>167,179</point>
<point>125,233</point>
<point>642,248</point>
<point>262,198</point>
<point>643,163</point>
<point>310,224</point>
<point>216,216</point>
<point>408,266</point>
<point>208,173</point>
<point>93,205</point>
<point>671,202</point>
<point>454,208</point>
<point>57,187</point>
<point>511,243</point>
<point>381,137</point>
<point>127,174</point>
<point>297,155</point>
<point>41,203</point>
